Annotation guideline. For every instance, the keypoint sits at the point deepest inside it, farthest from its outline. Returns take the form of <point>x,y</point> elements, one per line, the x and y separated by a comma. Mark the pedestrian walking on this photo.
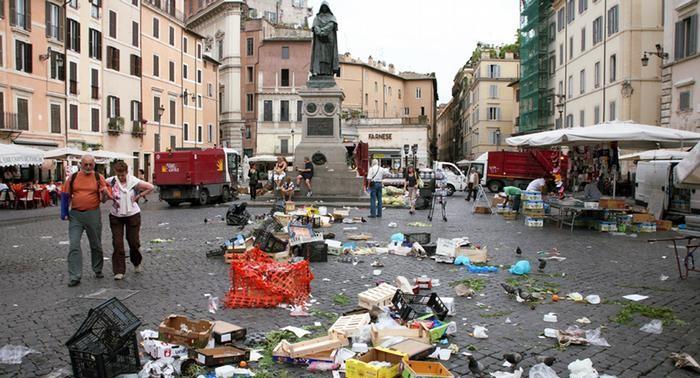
<point>307,173</point>
<point>472,184</point>
<point>86,189</point>
<point>126,214</point>
<point>411,186</point>
<point>374,185</point>
<point>253,181</point>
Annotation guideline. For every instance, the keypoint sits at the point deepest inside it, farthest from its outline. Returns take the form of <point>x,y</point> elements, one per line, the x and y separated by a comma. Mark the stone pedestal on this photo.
<point>321,140</point>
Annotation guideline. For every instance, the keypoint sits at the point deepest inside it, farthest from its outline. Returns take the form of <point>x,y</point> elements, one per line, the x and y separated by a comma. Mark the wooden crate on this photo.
<point>418,334</point>
<point>609,203</point>
<point>379,296</point>
<point>290,206</point>
<point>310,347</point>
<point>350,325</point>
<point>425,369</point>
<point>482,210</point>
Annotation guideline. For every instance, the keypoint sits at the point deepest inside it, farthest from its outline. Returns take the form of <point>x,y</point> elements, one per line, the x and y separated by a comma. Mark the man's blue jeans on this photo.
<point>375,199</point>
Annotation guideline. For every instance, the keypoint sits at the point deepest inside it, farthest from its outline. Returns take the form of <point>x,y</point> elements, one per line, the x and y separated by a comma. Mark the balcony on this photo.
<point>137,130</point>
<point>115,126</point>
<point>420,120</point>
<point>9,121</point>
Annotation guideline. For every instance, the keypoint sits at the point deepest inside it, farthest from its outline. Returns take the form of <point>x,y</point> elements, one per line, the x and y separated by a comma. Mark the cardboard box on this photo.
<point>482,210</point>
<point>178,329</point>
<point>359,367</point>
<point>643,218</point>
<point>160,349</point>
<point>220,356</point>
<point>290,206</point>
<point>224,332</point>
<point>325,356</point>
<point>414,349</point>
<point>610,203</point>
<point>475,255</point>
<point>425,369</point>
<point>663,225</point>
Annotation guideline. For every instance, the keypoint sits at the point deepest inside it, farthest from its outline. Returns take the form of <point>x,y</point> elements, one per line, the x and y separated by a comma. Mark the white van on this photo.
<point>655,178</point>
<point>456,179</point>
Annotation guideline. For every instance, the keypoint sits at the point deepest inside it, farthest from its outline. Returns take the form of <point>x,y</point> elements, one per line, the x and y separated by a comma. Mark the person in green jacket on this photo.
<point>513,194</point>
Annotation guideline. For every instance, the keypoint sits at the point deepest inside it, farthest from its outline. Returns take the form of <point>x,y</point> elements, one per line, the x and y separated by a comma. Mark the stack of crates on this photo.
<point>105,345</point>
<point>533,208</point>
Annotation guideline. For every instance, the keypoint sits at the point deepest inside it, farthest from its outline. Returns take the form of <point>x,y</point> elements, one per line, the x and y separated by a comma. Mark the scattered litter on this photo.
<point>419,224</point>
<point>159,241</point>
<point>377,272</point>
<point>64,242</point>
<point>542,371</point>
<point>521,267</point>
<point>655,326</point>
<point>583,320</point>
<point>663,278</point>
<point>593,299</point>
<point>582,369</point>
<point>550,317</point>
<point>635,297</point>
<point>13,354</point>
<point>576,297</point>
<point>213,303</point>
<point>508,321</point>
<point>502,374</point>
<point>60,373</point>
<point>685,360</point>
<point>47,237</point>
<point>392,225</point>
<point>164,224</point>
<point>551,332</point>
<point>480,332</point>
<point>298,332</point>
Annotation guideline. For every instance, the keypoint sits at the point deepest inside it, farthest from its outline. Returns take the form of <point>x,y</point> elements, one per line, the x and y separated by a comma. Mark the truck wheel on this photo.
<point>495,186</point>
<point>203,197</point>
<point>173,203</point>
<point>225,195</point>
<point>450,189</point>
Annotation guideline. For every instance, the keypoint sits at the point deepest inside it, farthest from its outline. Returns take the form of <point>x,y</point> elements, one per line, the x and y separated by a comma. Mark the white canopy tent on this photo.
<point>662,154</point>
<point>627,134</point>
<point>687,172</point>
<point>269,158</point>
<point>13,154</point>
<point>74,154</point>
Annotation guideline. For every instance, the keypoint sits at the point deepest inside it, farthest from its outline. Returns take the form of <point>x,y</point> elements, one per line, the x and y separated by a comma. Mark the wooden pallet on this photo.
<point>418,334</point>
<point>309,347</point>
<point>350,325</point>
<point>379,296</point>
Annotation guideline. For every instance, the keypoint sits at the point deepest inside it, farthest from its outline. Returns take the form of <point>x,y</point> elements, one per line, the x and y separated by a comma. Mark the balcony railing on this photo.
<point>137,129</point>
<point>167,7</point>
<point>115,125</point>
<point>420,120</point>
<point>13,121</point>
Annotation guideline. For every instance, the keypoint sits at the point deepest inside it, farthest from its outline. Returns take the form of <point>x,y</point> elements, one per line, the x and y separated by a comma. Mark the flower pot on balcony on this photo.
<point>115,126</point>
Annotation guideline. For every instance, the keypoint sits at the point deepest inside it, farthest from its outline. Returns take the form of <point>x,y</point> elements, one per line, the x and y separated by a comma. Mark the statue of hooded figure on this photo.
<point>324,55</point>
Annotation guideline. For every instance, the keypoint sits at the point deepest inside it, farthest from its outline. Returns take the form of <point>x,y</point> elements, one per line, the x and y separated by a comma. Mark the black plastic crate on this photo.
<point>422,238</point>
<point>236,215</point>
<point>111,323</point>
<point>90,359</point>
<point>411,306</point>
<point>314,251</point>
<point>268,242</point>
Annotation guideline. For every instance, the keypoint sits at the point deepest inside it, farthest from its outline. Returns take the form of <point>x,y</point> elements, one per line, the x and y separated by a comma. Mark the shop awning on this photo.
<point>12,154</point>
<point>74,154</point>
<point>687,172</point>
<point>627,134</point>
<point>656,155</point>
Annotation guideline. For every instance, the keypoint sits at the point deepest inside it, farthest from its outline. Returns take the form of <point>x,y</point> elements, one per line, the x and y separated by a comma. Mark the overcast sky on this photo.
<point>422,36</point>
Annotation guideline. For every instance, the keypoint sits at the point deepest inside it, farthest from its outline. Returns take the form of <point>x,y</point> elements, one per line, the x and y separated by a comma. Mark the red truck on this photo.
<point>197,176</point>
<point>516,168</point>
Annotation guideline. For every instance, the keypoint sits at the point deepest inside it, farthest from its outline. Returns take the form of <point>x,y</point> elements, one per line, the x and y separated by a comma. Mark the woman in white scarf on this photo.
<point>125,213</point>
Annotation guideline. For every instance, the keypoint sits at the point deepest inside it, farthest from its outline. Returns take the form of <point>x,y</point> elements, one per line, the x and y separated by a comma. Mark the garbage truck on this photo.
<point>197,176</point>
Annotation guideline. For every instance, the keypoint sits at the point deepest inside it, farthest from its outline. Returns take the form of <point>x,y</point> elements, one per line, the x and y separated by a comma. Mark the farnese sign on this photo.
<point>385,136</point>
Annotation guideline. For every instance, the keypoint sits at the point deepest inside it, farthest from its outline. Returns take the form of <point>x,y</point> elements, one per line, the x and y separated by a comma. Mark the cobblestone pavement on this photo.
<point>38,310</point>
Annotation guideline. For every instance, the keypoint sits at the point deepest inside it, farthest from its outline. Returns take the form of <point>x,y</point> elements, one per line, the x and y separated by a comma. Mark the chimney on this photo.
<point>370,61</point>
<point>392,69</point>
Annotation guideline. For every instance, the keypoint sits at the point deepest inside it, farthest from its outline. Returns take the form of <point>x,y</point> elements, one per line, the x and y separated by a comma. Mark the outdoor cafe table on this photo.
<point>568,211</point>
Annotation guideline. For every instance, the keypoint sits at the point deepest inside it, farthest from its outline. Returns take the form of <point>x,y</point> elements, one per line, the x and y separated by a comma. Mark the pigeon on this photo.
<point>509,289</point>
<point>518,251</point>
<point>543,264</point>
<point>513,359</point>
<point>206,220</point>
<point>476,367</point>
<point>529,297</point>
<point>547,360</point>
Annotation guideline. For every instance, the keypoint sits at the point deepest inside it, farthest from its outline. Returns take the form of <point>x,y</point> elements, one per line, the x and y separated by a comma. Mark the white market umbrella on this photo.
<point>110,155</point>
<point>687,172</point>
<point>13,154</point>
<point>269,158</point>
<point>65,153</point>
<point>662,154</point>
<point>628,135</point>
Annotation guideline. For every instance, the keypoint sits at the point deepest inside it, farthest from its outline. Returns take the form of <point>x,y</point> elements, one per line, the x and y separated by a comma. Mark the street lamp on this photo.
<point>414,149</point>
<point>454,149</point>
<point>659,52</point>
<point>560,108</point>
<point>405,155</point>
<point>293,147</point>
<point>161,110</point>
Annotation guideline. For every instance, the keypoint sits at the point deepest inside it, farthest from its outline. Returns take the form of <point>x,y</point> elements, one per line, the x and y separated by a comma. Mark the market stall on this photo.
<point>12,154</point>
<point>593,153</point>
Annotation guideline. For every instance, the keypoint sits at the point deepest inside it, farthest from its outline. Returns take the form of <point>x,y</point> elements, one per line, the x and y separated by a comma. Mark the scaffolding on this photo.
<point>536,98</point>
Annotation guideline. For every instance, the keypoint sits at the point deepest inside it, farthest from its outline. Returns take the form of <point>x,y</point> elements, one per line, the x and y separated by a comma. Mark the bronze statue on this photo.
<point>324,55</point>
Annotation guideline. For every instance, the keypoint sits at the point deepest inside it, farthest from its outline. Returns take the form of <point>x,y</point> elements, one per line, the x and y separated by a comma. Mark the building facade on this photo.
<point>680,94</point>
<point>446,130</point>
<point>491,103</point>
<point>275,71</point>
<point>392,141</point>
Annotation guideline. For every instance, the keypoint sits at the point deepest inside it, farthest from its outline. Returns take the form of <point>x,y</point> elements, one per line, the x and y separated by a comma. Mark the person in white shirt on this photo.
<point>472,184</point>
<point>125,213</point>
<point>3,186</point>
<point>374,179</point>
<point>536,185</point>
<point>53,193</point>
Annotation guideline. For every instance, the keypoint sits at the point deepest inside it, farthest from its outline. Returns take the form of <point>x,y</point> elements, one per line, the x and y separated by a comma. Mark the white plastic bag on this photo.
<point>502,374</point>
<point>13,354</point>
<point>582,369</point>
<point>480,332</point>
<point>542,371</point>
<point>593,337</point>
<point>655,326</point>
